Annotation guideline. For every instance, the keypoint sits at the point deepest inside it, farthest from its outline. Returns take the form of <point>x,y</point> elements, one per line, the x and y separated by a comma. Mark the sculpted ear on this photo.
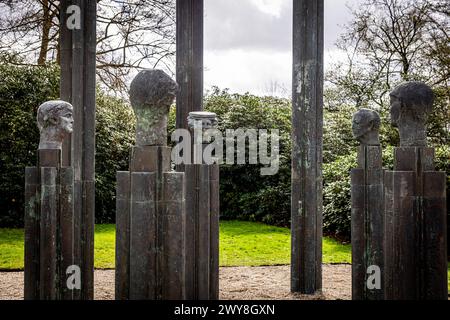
<point>53,120</point>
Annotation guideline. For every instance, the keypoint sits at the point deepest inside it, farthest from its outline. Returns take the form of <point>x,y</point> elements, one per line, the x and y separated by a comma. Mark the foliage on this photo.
<point>336,202</point>
<point>245,193</point>
<point>241,244</point>
<point>442,154</point>
<point>337,130</point>
<point>336,191</point>
<point>115,124</point>
<point>386,43</point>
<point>389,42</point>
<point>22,90</point>
<point>337,198</point>
<point>131,34</point>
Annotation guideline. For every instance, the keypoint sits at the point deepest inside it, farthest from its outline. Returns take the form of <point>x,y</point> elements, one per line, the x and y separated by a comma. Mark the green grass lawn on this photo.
<point>241,244</point>
<point>256,244</point>
<point>11,249</point>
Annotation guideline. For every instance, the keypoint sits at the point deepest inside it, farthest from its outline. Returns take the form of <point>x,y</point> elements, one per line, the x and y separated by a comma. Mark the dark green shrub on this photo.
<point>22,90</point>
<point>115,125</point>
<point>245,193</point>
<point>443,164</point>
<point>336,190</point>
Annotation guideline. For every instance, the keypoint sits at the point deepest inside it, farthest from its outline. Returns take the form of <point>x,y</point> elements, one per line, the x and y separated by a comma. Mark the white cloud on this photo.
<point>233,24</point>
<point>248,43</point>
<point>246,70</point>
<point>260,73</point>
<point>270,7</point>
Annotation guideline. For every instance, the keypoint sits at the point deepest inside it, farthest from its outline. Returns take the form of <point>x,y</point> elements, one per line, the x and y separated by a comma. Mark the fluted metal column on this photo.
<point>307,123</point>
<point>78,63</point>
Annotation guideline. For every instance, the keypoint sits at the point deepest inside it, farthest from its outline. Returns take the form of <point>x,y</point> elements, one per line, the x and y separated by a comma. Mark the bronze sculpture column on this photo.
<point>78,62</point>
<point>307,122</point>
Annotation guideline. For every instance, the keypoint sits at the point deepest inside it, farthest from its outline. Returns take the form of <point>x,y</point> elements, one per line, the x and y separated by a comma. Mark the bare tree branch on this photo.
<point>132,34</point>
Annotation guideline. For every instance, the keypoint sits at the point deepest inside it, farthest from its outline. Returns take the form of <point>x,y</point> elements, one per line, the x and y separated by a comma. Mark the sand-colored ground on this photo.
<point>246,283</point>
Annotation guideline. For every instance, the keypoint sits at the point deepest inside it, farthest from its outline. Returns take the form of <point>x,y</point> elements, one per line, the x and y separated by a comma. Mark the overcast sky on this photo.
<point>248,43</point>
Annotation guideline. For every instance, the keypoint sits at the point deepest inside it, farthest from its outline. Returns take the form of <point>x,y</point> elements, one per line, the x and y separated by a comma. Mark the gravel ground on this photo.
<point>246,283</point>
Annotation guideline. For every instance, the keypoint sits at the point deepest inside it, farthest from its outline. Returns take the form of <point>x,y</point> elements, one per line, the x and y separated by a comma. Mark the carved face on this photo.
<point>66,120</point>
<point>55,118</point>
<point>360,125</point>
<point>395,110</point>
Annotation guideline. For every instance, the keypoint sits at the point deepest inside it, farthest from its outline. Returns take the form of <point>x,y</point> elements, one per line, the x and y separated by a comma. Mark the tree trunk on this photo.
<point>46,26</point>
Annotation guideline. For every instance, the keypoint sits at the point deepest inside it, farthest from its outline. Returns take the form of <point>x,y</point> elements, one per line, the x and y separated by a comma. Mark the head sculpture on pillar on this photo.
<point>202,121</point>
<point>205,120</point>
<point>411,103</point>
<point>152,92</point>
<point>366,127</point>
<point>55,123</point>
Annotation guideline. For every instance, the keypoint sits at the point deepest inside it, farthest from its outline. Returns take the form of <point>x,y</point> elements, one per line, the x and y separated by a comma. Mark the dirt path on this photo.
<point>246,283</point>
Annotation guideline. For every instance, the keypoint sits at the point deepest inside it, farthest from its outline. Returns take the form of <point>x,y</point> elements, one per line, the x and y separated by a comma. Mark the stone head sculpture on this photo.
<point>202,120</point>
<point>411,103</point>
<point>55,123</point>
<point>152,92</point>
<point>366,127</point>
<point>207,120</point>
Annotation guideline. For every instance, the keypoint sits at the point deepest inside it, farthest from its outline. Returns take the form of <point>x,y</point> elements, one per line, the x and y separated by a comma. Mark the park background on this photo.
<point>380,44</point>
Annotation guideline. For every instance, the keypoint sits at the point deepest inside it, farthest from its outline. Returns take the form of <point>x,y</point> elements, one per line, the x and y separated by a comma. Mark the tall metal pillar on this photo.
<point>78,62</point>
<point>202,181</point>
<point>189,58</point>
<point>307,123</point>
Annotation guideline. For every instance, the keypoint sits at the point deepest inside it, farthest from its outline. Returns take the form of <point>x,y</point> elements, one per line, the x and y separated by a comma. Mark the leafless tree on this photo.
<point>396,40</point>
<point>390,41</point>
<point>274,88</point>
<point>132,34</point>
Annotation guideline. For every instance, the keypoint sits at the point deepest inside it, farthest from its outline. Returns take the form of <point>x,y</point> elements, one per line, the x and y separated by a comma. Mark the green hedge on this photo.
<point>336,174</point>
<point>22,90</point>
<point>245,193</point>
<point>114,134</point>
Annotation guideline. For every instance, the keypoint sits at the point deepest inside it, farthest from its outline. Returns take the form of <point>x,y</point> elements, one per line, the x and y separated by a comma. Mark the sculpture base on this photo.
<point>367,227</point>
<point>150,226</point>
<point>50,230</point>
<point>202,232</point>
<point>416,235</point>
